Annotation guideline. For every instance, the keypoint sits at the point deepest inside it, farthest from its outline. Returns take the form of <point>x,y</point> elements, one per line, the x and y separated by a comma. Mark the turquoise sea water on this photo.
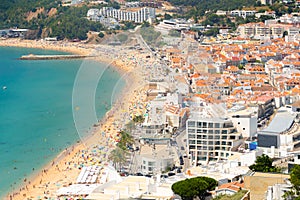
<point>36,121</point>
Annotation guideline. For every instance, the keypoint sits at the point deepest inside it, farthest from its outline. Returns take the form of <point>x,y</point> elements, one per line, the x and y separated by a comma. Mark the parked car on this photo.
<point>171,174</point>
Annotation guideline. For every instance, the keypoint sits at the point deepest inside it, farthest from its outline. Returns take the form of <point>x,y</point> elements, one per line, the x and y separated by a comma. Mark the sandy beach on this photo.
<point>94,149</point>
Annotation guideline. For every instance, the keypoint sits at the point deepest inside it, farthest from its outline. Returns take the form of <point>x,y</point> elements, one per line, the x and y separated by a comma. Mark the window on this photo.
<point>199,131</point>
<point>191,130</point>
<point>244,129</point>
<point>239,122</point>
<point>210,125</point>
<point>232,137</point>
<point>199,148</point>
<point>192,142</point>
<point>191,124</point>
<point>298,156</point>
<point>191,136</point>
<point>217,125</point>
<point>199,125</point>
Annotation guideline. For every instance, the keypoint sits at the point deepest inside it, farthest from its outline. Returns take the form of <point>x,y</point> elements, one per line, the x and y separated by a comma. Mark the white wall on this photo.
<point>296,159</point>
<point>286,140</point>
<point>249,158</point>
<point>246,125</point>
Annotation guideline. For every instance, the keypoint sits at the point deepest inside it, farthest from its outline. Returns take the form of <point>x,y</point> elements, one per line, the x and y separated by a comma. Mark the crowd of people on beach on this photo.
<point>64,170</point>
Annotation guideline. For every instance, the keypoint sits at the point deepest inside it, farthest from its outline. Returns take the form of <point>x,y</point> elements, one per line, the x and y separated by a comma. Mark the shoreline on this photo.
<point>55,169</point>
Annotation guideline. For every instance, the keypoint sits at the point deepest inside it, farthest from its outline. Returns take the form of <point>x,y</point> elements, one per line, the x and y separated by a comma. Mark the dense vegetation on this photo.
<point>264,164</point>
<point>14,12</point>
<point>118,155</point>
<point>189,189</point>
<point>198,7</point>
<point>294,193</point>
<point>49,18</point>
<point>70,23</point>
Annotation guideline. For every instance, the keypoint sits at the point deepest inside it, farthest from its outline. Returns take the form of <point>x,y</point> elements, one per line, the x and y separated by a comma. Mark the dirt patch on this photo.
<point>35,14</point>
<point>52,12</point>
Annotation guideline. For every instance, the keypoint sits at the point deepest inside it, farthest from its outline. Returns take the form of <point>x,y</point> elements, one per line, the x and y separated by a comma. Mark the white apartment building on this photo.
<point>277,191</point>
<point>265,2</point>
<point>245,122</point>
<point>289,19</point>
<point>143,14</point>
<point>211,139</point>
<point>155,160</point>
<point>261,30</point>
<point>242,13</point>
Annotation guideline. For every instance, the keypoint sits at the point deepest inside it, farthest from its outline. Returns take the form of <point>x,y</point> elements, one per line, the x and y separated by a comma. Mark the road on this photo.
<point>181,147</point>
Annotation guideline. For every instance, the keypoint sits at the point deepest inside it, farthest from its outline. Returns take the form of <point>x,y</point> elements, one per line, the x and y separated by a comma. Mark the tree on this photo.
<point>118,157</point>
<point>192,188</point>
<point>101,35</point>
<point>128,25</point>
<point>294,193</point>
<point>295,178</point>
<point>138,119</point>
<point>145,24</point>
<point>264,164</point>
<point>167,16</point>
<point>125,140</point>
<point>211,32</point>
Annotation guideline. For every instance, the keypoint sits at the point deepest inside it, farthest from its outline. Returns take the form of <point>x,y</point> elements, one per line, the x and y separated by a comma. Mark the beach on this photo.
<point>93,150</point>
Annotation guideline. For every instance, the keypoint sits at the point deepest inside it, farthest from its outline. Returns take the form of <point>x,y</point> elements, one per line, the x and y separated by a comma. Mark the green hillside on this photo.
<point>197,8</point>
<point>47,17</point>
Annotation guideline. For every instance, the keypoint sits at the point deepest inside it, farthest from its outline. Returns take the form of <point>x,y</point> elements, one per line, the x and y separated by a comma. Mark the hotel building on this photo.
<point>143,14</point>
<point>211,139</point>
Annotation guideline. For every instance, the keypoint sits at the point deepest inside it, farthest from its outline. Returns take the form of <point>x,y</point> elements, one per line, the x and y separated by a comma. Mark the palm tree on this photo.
<point>118,157</point>
<point>126,139</point>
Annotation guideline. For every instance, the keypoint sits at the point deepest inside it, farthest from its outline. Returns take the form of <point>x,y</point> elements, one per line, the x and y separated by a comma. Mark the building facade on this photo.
<point>143,14</point>
<point>211,139</point>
